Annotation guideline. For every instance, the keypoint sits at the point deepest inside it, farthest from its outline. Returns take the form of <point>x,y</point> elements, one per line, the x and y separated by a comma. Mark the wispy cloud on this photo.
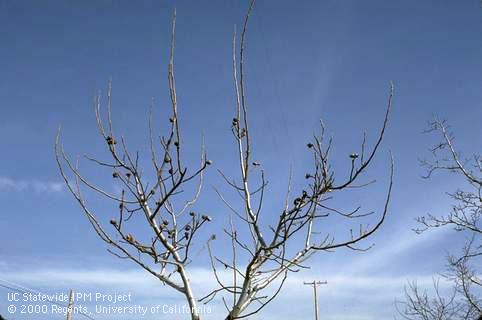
<point>201,277</point>
<point>33,185</point>
<point>355,291</point>
<point>396,248</point>
<point>375,294</point>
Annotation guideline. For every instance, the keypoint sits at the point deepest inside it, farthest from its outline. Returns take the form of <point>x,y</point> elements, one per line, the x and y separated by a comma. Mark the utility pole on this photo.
<point>315,285</point>
<point>71,305</point>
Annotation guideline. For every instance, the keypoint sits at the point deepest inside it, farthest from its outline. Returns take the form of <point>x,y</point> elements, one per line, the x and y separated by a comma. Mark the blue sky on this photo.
<point>305,61</point>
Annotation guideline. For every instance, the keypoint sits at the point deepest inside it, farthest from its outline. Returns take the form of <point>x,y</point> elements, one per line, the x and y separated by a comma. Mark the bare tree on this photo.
<point>265,249</point>
<point>273,250</point>
<point>463,270</point>
<point>419,304</point>
<point>163,207</point>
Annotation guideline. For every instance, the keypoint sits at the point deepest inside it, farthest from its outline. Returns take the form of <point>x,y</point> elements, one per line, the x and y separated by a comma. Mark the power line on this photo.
<point>21,289</point>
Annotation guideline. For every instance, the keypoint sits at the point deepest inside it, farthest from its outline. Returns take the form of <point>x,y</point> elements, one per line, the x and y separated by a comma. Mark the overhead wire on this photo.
<point>22,289</point>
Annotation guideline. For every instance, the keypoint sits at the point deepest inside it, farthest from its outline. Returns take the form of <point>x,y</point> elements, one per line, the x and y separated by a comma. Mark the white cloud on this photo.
<point>33,185</point>
<point>394,249</point>
<point>201,278</point>
<point>353,292</point>
<point>370,293</point>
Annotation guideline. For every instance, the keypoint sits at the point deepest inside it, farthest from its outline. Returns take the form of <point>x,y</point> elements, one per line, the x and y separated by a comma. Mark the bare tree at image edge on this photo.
<point>463,270</point>
<point>263,254</point>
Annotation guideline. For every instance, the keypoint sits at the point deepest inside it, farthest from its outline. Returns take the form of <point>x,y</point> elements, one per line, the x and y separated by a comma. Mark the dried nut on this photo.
<point>206,217</point>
